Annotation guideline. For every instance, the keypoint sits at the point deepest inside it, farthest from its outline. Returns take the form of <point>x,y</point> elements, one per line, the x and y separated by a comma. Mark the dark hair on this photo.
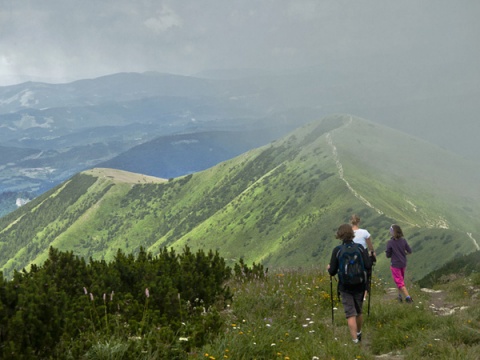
<point>345,232</point>
<point>396,231</point>
<point>355,219</point>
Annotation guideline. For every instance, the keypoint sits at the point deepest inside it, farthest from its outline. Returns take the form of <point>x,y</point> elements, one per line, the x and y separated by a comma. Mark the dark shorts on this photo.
<point>352,303</point>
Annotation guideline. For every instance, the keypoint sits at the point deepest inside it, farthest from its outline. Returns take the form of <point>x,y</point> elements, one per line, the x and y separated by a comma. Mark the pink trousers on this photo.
<point>398,276</point>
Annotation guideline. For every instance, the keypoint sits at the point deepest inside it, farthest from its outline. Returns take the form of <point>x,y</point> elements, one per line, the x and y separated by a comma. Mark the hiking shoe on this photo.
<point>408,299</point>
<point>400,298</point>
<point>359,336</point>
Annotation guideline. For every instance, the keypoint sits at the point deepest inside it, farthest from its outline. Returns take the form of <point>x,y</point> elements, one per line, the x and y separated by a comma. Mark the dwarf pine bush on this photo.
<point>192,306</point>
<point>62,307</point>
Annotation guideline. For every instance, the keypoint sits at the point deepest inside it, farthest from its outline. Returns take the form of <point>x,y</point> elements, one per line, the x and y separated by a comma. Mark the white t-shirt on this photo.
<point>361,236</point>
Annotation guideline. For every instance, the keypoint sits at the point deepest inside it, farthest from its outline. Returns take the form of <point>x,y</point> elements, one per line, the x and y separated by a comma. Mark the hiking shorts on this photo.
<point>352,303</point>
<point>398,275</point>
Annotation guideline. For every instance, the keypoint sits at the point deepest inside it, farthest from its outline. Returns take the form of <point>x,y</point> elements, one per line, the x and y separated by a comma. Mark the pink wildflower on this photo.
<point>147,293</point>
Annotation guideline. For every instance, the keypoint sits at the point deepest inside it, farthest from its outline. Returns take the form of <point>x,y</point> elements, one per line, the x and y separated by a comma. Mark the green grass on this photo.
<point>288,316</point>
<point>290,313</point>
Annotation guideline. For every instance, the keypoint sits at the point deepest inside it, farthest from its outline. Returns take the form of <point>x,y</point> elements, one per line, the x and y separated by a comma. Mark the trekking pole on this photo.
<point>370,288</point>
<point>331,295</point>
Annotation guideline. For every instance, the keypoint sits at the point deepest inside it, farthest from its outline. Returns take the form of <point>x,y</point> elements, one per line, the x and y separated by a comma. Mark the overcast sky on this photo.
<point>65,40</point>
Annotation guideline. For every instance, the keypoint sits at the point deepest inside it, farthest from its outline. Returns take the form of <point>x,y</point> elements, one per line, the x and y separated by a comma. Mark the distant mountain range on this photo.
<point>49,132</point>
<point>182,154</point>
<point>279,204</point>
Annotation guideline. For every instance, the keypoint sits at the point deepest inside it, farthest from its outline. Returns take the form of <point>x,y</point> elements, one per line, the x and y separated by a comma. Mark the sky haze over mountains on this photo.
<point>410,65</point>
<point>61,41</point>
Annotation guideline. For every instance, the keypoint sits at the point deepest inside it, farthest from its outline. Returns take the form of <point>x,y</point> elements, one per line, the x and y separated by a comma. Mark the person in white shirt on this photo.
<point>362,237</point>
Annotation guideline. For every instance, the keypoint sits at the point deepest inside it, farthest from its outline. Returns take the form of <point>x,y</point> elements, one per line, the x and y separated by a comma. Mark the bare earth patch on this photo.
<point>124,176</point>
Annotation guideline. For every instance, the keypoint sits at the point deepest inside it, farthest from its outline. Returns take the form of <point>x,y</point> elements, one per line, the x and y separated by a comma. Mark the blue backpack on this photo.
<point>351,268</point>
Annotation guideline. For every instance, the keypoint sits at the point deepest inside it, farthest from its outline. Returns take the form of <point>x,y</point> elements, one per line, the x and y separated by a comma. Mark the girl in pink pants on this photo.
<point>397,251</point>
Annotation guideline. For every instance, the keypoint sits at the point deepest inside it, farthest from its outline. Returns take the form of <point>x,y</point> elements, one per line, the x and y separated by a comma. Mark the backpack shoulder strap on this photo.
<point>340,247</point>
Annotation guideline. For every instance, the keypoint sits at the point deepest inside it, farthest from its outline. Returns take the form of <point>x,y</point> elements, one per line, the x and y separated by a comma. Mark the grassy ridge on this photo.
<point>278,205</point>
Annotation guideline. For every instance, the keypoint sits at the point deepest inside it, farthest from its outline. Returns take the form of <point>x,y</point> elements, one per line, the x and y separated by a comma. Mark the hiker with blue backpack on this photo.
<point>351,262</point>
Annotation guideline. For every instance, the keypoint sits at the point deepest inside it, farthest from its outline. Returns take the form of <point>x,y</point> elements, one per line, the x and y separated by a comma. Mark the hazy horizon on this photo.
<point>61,41</point>
<point>407,64</point>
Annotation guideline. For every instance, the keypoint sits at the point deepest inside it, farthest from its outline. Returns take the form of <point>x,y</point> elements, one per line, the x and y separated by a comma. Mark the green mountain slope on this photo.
<point>279,204</point>
<point>459,268</point>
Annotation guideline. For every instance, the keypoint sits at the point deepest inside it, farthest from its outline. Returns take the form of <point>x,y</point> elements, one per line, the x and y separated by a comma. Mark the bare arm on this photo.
<point>370,246</point>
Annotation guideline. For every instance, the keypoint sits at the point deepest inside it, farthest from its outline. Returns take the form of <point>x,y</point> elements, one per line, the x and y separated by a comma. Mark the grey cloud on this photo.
<point>61,39</point>
<point>166,18</point>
